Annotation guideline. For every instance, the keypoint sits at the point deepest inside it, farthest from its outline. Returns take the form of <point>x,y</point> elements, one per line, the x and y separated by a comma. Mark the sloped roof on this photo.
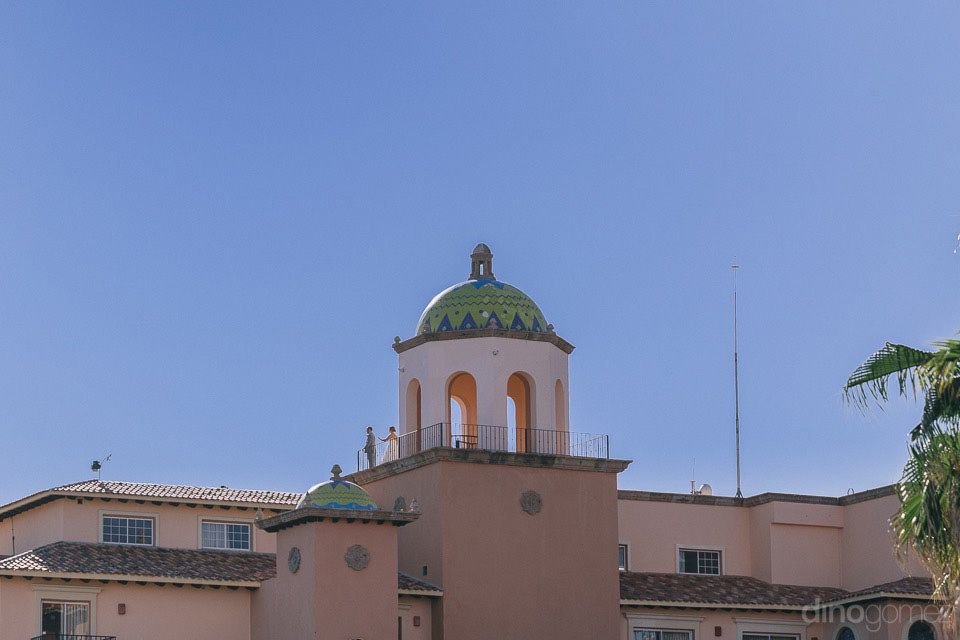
<point>904,586</point>
<point>158,564</point>
<point>734,591</point>
<point>151,491</point>
<point>185,492</point>
<point>149,563</point>
<point>411,584</point>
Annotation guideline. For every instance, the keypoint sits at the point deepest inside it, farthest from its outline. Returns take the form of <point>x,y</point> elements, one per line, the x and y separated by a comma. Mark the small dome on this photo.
<point>337,493</point>
<point>481,304</point>
<point>481,248</point>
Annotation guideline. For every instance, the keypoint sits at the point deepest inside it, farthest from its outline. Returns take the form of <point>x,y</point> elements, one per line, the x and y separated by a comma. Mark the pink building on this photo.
<point>486,517</point>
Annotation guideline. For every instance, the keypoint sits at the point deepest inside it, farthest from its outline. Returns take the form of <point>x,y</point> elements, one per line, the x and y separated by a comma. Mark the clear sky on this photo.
<point>215,217</point>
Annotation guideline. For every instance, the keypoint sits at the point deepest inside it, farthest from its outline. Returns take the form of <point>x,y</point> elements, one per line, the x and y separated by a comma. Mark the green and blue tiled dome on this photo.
<point>482,302</point>
<point>337,493</point>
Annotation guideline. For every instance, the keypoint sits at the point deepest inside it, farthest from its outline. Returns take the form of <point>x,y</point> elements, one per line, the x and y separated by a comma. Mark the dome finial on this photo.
<point>481,263</point>
<point>336,471</point>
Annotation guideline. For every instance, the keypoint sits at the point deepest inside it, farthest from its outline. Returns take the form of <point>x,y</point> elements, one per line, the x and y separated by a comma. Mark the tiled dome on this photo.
<point>337,493</point>
<point>482,302</point>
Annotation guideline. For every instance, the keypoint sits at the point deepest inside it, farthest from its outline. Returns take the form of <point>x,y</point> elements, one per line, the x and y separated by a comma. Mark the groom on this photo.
<point>370,448</point>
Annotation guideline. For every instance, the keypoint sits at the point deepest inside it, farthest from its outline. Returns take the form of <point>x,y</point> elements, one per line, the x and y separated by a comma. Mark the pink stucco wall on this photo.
<point>703,623</point>
<point>508,574</point>
<point>420,542</point>
<point>152,612</point>
<point>326,599</point>
<point>79,521</point>
<point>802,543</point>
<point>653,530</point>
<point>868,545</point>
<point>33,528</point>
<point>411,606</point>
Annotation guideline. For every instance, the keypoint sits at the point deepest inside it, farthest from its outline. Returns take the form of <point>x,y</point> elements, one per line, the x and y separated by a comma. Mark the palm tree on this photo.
<point>928,521</point>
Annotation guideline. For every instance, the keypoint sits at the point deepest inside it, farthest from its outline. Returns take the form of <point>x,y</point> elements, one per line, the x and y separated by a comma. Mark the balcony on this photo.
<point>489,438</point>
<point>69,636</point>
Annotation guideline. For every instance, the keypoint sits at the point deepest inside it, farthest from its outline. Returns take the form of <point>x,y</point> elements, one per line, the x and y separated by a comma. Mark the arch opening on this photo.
<point>413,422</point>
<point>520,412</point>
<point>921,630</point>
<point>462,410</point>
<point>560,407</point>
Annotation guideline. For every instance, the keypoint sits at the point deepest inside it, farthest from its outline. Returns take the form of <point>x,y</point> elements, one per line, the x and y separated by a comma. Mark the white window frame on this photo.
<point>654,622</point>
<point>217,520</point>
<point>132,515</point>
<point>763,626</point>
<point>661,631</point>
<point>698,547</point>
<point>626,556</point>
<point>64,593</point>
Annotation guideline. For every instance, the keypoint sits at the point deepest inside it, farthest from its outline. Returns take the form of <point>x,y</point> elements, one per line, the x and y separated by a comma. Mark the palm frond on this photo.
<point>870,378</point>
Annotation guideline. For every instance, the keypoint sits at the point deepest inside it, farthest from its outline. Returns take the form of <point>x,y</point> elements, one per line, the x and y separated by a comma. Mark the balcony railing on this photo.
<point>70,636</point>
<point>489,438</point>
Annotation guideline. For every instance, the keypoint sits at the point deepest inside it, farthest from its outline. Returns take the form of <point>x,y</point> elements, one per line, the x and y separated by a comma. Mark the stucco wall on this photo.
<point>410,607</point>
<point>420,542</point>
<point>868,545</point>
<point>326,599</point>
<point>703,623</point>
<point>79,521</point>
<point>805,555</point>
<point>491,361</point>
<point>653,530</point>
<point>33,528</point>
<point>152,612</point>
<point>508,574</point>
<point>283,607</point>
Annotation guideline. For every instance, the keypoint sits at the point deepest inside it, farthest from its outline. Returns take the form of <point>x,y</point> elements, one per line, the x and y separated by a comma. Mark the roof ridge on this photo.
<point>70,485</point>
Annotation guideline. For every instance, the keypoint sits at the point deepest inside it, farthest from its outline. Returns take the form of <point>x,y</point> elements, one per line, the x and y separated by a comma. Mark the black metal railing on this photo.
<point>489,438</point>
<point>70,636</point>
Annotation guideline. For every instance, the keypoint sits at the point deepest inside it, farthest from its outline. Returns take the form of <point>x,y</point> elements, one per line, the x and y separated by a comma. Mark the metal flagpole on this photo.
<point>736,374</point>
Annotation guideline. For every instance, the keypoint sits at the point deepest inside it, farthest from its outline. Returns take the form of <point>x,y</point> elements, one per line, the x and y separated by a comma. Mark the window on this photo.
<point>127,530</point>
<point>768,636</point>
<point>622,557</point>
<point>846,633</point>
<point>64,618</point>
<point>699,561</point>
<point>225,535</point>
<point>661,634</point>
<point>921,630</point>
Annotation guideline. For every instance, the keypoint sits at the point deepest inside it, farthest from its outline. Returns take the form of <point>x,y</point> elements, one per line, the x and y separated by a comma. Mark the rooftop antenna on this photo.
<point>736,373</point>
<point>97,465</point>
<point>693,482</point>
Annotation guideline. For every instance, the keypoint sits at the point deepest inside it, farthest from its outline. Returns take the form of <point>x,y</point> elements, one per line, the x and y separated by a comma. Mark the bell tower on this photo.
<point>484,369</point>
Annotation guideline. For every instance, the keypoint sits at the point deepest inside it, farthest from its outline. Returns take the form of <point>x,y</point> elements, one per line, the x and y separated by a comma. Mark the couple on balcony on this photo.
<point>392,451</point>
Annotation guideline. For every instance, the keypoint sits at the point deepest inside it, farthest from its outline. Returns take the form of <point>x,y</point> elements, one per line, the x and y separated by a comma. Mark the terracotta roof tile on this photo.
<point>149,562</point>
<point>904,586</point>
<point>718,590</point>
<point>409,583</point>
<point>114,560</point>
<point>183,492</point>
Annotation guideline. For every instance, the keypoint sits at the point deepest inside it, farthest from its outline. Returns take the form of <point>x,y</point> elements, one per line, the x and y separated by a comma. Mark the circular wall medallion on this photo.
<point>293,559</point>
<point>357,557</point>
<point>531,502</point>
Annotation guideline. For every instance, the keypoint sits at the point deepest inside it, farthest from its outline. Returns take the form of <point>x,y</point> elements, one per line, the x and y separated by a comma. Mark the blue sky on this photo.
<point>215,217</point>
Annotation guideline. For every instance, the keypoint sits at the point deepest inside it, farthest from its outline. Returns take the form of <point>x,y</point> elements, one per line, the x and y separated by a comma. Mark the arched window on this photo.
<point>462,410</point>
<point>846,633</point>
<point>520,412</point>
<point>414,415</point>
<point>921,630</point>
<point>560,407</point>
